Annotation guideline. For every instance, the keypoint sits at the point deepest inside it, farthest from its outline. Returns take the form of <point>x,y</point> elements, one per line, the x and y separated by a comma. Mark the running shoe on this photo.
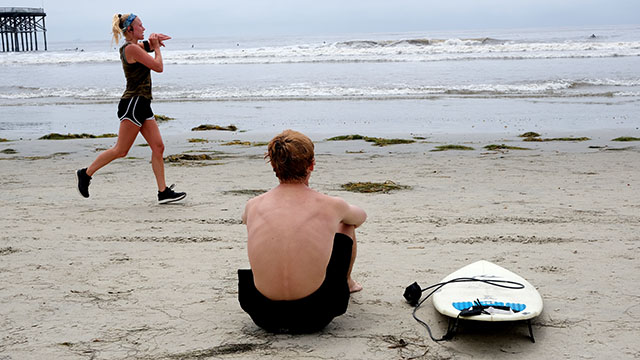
<point>169,196</point>
<point>83,182</point>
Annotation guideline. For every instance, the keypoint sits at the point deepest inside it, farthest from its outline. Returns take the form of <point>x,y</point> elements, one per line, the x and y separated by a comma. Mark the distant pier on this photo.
<point>19,28</point>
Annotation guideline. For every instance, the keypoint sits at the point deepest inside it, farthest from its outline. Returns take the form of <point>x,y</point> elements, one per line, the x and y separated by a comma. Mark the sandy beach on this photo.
<point>117,276</point>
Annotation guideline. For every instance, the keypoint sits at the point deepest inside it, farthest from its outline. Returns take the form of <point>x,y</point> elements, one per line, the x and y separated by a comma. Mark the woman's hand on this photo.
<point>157,40</point>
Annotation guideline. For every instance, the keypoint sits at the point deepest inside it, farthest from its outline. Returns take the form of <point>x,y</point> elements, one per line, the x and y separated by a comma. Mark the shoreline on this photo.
<point>462,117</point>
<point>599,140</point>
<point>117,276</point>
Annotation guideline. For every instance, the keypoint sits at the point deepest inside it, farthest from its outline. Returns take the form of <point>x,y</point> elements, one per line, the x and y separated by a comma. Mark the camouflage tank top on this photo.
<point>138,77</point>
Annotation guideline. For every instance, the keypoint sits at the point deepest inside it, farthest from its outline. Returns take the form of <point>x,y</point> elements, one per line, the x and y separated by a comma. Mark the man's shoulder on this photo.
<point>334,200</point>
<point>258,198</point>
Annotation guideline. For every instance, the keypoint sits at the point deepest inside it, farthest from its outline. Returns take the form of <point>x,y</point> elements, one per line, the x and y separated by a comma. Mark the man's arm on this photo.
<point>352,215</point>
<point>244,214</point>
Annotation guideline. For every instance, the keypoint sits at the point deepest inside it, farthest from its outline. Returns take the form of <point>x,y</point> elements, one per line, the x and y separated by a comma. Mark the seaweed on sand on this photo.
<point>384,142</point>
<point>244,143</point>
<point>532,139</point>
<point>452,147</point>
<point>189,157</point>
<point>375,140</point>
<point>626,138</point>
<point>346,137</point>
<point>504,147</point>
<point>160,118</point>
<point>8,250</point>
<point>371,187</point>
<point>56,136</point>
<point>196,140</point>
<point>529,134</point>
<point>558,139</point>
<point>215,127</point>
<point>185,159</point>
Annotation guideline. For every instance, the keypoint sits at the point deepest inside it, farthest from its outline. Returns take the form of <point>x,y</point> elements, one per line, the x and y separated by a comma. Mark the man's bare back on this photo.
<point>290,238</point>
<point>301,245</point>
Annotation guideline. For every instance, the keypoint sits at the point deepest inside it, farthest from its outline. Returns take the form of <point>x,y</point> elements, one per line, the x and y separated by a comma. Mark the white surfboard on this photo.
<point>521,304</point>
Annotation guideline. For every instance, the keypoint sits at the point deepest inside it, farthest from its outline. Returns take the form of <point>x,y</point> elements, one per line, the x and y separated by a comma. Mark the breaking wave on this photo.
<point>408,50</point>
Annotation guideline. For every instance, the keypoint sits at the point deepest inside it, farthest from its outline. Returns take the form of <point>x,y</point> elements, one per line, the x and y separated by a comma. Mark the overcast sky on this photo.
<point>90,19</point>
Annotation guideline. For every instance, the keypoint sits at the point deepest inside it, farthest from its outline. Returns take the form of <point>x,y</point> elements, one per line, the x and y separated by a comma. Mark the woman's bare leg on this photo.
<point>350,231</point>
<point>126,136</point>
<point>151,133</point>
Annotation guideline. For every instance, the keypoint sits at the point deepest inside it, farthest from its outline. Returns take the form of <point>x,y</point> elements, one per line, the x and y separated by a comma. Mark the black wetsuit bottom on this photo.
<point>309,314</point>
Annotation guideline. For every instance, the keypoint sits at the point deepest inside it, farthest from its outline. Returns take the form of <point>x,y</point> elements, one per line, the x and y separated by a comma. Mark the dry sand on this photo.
<point>117,276</point>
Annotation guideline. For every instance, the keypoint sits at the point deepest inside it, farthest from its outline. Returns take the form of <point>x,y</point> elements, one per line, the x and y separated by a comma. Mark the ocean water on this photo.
<point>503,82</point>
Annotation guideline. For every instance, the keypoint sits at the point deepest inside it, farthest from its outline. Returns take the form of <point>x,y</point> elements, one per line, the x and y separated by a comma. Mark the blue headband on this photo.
<point>128,21</point>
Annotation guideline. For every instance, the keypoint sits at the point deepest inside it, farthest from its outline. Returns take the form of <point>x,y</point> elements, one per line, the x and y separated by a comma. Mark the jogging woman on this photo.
<point>134,110</point>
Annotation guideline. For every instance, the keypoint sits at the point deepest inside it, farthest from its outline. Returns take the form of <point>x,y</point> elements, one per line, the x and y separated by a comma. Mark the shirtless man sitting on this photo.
<point>301,246</point>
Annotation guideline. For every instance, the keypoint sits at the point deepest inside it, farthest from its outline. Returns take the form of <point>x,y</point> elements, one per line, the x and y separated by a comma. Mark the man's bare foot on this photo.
<point>354,286</point>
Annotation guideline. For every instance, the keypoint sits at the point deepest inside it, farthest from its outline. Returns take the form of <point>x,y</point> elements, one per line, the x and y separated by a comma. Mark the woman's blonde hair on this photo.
<point>290,154</point>
<point>116,27</point>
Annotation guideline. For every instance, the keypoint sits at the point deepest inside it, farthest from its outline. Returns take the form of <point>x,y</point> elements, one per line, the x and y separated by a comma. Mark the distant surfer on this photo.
<point>134,110</point>
<point>593,36</point>
<point>301,246</point>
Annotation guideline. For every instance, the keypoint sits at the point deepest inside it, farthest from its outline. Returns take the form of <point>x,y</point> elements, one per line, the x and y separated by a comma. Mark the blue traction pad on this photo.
<point>461,305</point>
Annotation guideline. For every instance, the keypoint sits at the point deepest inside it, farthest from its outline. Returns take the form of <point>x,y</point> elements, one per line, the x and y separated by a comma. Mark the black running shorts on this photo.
<point>136,109</point>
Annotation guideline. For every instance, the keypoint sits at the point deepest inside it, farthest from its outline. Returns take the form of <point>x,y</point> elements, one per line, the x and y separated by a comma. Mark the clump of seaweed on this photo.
<point>385,142</point>
<point>346,137</point>
<point>196,140</point>
<point>618,149</point>
<point>532,139</point>
<point>9,151</point>
<point>529,134</point>
<point>244,143</point>
<point>8,250</point>
<point>189,157</point>
<point>160,118</point>
<point>584,138</point>
<point>372,187</point>
<point>214,127</point>
<point>626,138</point>
<point>504,147</point>
<point>237,142</point>
<point>558,139</point>
<point>375,140</point>
<point>56,136</point>
<point>452,147</point>
<point>143,145</point>
<point>4,140</point>
<point>250,192</point>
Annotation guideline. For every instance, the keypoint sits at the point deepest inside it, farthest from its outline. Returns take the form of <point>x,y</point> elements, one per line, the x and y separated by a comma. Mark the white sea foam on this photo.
<point>417,50</point>
<point>311,91</point>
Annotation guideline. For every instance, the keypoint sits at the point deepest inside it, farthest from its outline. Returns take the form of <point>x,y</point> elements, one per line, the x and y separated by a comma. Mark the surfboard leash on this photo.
<point>413,293</point>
